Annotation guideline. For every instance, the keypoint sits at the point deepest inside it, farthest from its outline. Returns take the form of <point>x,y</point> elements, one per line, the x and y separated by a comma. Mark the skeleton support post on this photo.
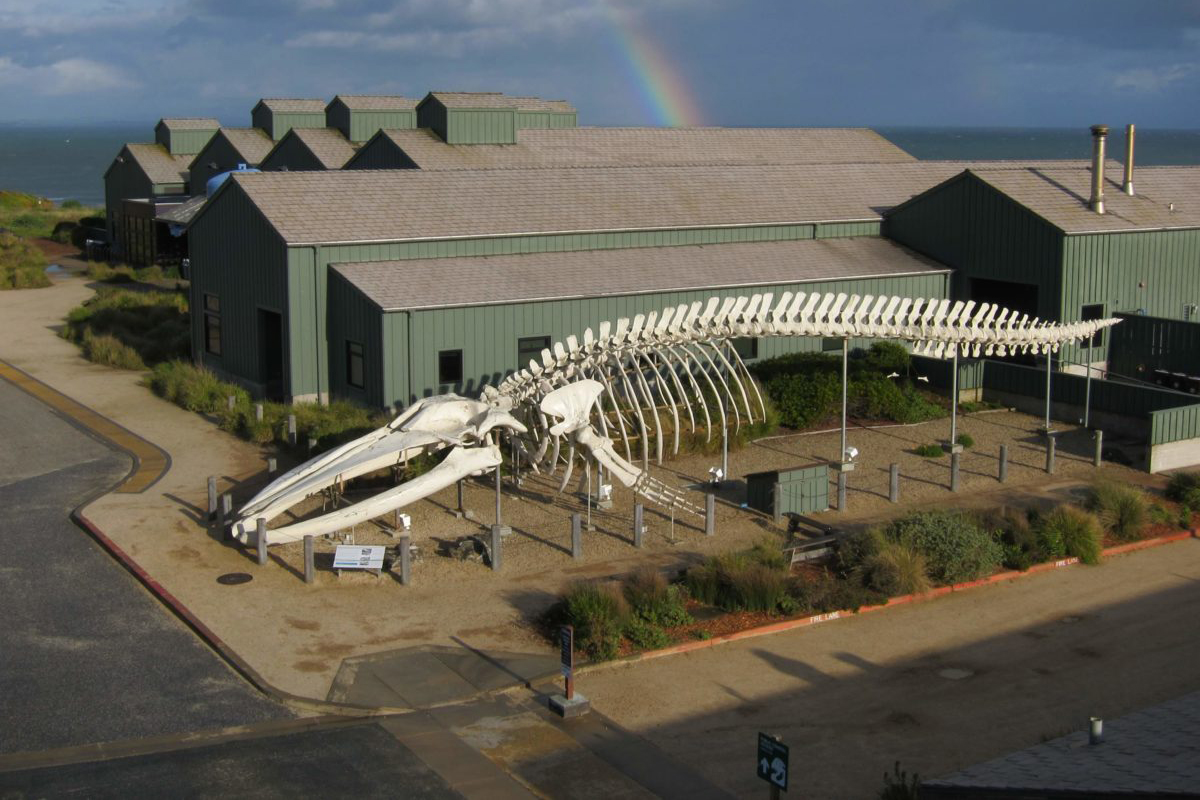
<point>576,535</point>
<point>894,483</point>
<point>710,514</point>
<point>260,534</point>
<point>639,529</point>
<point>496,541</point>
<point>1050,453</point>
<point>841,491</point>
<point>954,471</point>
<point>212,497</point>
<point>226,515</point>
<point>1003,476</point>
<point>405,559</point>
<point>310,572</point>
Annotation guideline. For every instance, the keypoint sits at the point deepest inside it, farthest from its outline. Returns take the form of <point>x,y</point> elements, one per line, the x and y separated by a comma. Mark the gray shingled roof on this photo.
<point>1060,196</point>
<point>488,280</point>
<point>182,214</point>
<point>392,205</point>
<point>499,100</point>
<point>572,147</point>
<point>190,123</point>
<point>328,145</point>
<point>159,165</point>
<point>251,143</point>
<point>293,105</point>
<point>376,102</point>
<point>1152,751</point>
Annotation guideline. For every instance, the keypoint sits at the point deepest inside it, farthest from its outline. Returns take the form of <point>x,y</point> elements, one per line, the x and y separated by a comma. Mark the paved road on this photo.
<point>88,654</point>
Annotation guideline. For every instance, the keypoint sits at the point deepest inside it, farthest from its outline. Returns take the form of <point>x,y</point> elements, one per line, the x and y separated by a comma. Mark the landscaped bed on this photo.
<point>914,555</point>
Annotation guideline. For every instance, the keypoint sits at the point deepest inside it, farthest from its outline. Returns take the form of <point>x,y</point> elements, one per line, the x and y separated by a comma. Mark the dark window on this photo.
<point>746,347</point>
<point>1091,313</point>
<point>354,364</point>
<point>450,366</point>
<point>212,324</point>
<point>529,348</point>
<point>831,343</point>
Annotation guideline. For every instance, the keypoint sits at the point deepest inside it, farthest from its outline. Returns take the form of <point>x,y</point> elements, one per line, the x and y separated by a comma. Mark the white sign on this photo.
<point>351,556</point>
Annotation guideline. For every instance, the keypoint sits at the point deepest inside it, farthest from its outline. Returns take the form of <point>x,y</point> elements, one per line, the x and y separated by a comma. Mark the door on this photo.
<point>270,353</point>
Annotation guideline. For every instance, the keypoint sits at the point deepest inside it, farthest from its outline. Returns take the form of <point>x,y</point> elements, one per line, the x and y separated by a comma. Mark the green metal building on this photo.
<point>225,151</point>
<point>358,116</point>
<point>489,117</point>
<point>309,149</point>
<point>142,172</point>
<point>275,116</point>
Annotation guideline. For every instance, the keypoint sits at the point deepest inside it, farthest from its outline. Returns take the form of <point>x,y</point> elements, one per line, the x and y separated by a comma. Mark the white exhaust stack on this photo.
<point>1099,133</point>
<point>1127,184</point>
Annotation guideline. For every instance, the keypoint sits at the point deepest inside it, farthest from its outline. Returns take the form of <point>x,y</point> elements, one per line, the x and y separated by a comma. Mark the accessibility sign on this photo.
<point>773,761</point>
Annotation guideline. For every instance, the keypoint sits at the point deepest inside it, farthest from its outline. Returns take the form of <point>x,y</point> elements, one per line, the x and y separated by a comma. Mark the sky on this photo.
<point>1021,63</point>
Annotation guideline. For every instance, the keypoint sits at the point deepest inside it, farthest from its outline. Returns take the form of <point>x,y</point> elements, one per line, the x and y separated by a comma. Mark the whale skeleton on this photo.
<point>637,379</point>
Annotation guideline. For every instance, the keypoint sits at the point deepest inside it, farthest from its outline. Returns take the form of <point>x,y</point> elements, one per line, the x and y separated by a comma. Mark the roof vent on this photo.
<point>1127,184</point>
<point>1099,133</point>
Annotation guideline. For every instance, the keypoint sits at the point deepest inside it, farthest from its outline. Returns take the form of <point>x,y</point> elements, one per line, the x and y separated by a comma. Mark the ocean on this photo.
<point>68,162</point>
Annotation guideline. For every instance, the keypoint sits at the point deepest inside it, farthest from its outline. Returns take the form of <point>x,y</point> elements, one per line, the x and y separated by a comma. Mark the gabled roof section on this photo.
<point>489,280</point>
<point>251,143</point>
<point>189,123</point>
<point>158,165</point>
<point>375,102</point>
<point>497,100</point>
<point>327,145</point>
<point>292,105</point>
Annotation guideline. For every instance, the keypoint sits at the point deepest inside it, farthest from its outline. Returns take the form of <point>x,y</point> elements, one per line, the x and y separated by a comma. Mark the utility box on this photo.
<point>800,490</point>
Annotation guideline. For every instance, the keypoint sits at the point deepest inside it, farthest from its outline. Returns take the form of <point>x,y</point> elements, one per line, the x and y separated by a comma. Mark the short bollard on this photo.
<point>272,465</point>
<point>576,536</point>
<point>231,401</point>
<point>639,529</point>
<point>954,472</point>
<point>710,514</point>
<point>212,497</point>
<point>1003,463</point>
<point>312,445</point>
<point>496,537</point>
<point>260,534</point>
<point>405,560</point>
<point>841,491</point>
<point>226,515</point>
<point>291,422</point>
<point>894,483</point>
<point>310,572</point>
<point>1097,453</point>
<point>1050,455</point>
<point>258,412</point>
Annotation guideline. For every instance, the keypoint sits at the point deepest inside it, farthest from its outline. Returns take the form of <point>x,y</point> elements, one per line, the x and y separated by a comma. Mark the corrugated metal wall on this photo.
<point>1110,269</point>
<point>546,119</point>
<point>432,114</point>
<point>354,318</point>
<point>236,256</point>
<point>364,124</point>
<point>276,125</point>
<point>1174,424</point>
<point>481,126</point>
<point>1143,344</point>
<point>122,180</point>
<point>182,142</point>
<point>1119,398</point>
<point>488,335</point>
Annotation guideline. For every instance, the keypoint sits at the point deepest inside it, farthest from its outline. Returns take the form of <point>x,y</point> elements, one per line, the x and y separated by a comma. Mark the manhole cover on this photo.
<point>955,674</point>
<point>234,578</point>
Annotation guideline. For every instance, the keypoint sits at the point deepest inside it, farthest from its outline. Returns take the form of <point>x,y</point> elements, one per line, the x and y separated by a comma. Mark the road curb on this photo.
<point>816,619</point>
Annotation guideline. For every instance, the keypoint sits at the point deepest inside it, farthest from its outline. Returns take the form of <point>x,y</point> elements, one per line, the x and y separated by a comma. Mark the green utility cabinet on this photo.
<point>800,490</point>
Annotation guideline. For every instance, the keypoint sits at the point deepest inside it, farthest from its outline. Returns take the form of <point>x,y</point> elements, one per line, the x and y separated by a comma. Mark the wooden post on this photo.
<point>291,422</point>
<point>954,472</point>
<point>260,534</point>
<point>405,560</point>
<point>496,537</point>
<point>1050,455</point>
<point>226,514</point>
<point>639,529</point>
<point>1003,463</point>
<point>710,514</point>
<point>576,535</point>
<point>212,497</point>
<point>310,572</point>
<point>1097,453</point>
<point>894,483</point>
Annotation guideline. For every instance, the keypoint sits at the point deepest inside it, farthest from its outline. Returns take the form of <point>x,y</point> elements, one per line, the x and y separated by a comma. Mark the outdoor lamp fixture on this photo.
<point>851,453</point>
<point>715,475</point>
<point>405,522</point>
<point>604,492</point>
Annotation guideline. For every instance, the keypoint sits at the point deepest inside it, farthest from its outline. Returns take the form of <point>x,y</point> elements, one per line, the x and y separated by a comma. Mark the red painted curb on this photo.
<point>802,622</point>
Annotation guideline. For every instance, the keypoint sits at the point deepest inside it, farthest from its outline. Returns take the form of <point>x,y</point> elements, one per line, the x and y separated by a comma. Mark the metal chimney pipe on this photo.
<point>1127,184</point>
<point>1099,132</point>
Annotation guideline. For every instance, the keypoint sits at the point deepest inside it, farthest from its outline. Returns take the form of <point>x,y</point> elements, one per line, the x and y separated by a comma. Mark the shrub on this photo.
<point>965,439</point>
<point>646,635</point>
<point>1015,532</point>
<point>598,613</point>
<point>804,399</point>
<point>956,548</point>
<point>22,265</point>
<point>193,388</point>
<point>653,600</point>
<point>1122,509</point>
<point>154,324</point>
<point>1159,514</point>
<point>857,548</point>
<point>930,450</point>
<point>826,592</point>
<point>896,569</point>
<point>71,204</point>
<point>750,580</point>
<point>1184,488</point>
<point>1077,531</point>
<point>110,351</point>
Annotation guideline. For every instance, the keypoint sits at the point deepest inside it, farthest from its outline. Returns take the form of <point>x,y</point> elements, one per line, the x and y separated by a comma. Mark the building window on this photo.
<point>830,344</point>
<point>1094,312</point>
<point>450,366</point>
<point>212,324</point>
<point>746,347</point>
<point>529,348</point>
<point>354,364</point>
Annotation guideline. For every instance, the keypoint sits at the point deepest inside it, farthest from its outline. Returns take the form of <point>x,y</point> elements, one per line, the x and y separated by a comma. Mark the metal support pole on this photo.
<point>405,560</point>
<point>212,497</point>
<point>587,465</point>
<point>460,497</point>
<point>954,472</point>
<point>1096,454</point>
<point>1003,463</point>
<point>498,523</point>
<point>639,529</point>
<point>576,536</point>
<point>310,572</point>
<point>226,514</point>
<point>845,374</point>
<point>1050,455</point>
<point>291,422</point>
<point>841,491</point>
<point>724,453</point>
<point>260,534</point>
<point>894,483</point>
<point>710,514</point>
<point>1049,362</point>
<point>954,400</point>
<point>496,538</point>
<point>1087,393</point>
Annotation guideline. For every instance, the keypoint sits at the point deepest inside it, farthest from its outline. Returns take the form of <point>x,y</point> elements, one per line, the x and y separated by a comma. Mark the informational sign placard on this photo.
<point>772,761</point>
<point>353,556</point>
<point>566,638</point>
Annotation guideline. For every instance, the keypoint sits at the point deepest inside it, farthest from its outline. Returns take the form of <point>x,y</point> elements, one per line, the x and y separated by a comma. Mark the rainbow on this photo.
<point>665,95</point>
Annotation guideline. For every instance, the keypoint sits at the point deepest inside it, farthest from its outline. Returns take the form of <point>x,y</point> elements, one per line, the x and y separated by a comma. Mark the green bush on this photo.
<point>930,450</point>
<point>1122,509</point>
<point>827,592</point>
<point>856,548</point>
<point>598,613</point>
<point>957,549</point>
<point>70,204</point>
<point>750,580</point>
<point>154,324</point>
<point>22,265</point>
<point>1014,530</point>
<point>965,439</point>
<point>1075,532</point>
<point>804,400</point>
<point>653,600</point>
<point>110,351</point>
<point>646,635</point>
<point>194,388</point>
<point>1184,488</point>
<point>896,569</point>
<point>1159,514</point>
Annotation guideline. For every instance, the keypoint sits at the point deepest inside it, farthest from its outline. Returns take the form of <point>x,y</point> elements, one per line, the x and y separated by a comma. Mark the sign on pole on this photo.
<point>772,761</point>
